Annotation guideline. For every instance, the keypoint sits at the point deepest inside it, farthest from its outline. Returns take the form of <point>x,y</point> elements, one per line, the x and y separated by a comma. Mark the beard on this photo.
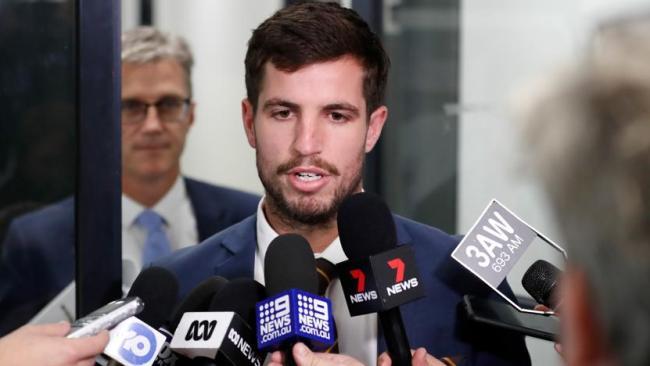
<point>307,210</point>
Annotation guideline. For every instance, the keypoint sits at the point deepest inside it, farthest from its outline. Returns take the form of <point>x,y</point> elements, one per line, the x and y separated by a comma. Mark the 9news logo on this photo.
<point>139,345</point>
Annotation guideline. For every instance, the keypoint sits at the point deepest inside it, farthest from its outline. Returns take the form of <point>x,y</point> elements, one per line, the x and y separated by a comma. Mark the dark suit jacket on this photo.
<point>430,322</point>
<point>38,251</point>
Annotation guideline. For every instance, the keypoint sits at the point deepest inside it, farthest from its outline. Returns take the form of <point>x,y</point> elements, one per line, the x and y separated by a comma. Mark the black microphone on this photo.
<point>132,342</point>
<point>540,280</point>
<point>292,313</point>
<point>197,300</point>
<point>378,276</point>
<point>222,335</point>
<point>158,289</point>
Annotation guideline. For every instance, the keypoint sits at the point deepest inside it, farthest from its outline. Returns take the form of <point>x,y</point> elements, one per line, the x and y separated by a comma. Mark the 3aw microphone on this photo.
<point>293,313</point>
<point>541,280</point>
<point>222,336</point>
<point>379,276</point>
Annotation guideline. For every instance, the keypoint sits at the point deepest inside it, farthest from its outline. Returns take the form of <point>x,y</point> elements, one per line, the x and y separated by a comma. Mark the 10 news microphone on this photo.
<point>237,322</point>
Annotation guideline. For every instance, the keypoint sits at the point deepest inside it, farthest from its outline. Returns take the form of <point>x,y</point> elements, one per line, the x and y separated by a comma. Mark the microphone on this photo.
<point>292,313</point>
<point>136,341</point>
<point>540,281</point>
<point>197,300</point>
<point>378,276</point>
<point>223,336</point>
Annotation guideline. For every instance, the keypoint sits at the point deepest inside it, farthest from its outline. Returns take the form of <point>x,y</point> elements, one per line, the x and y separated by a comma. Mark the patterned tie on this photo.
<point>326,274</point>
<point>157,244</point>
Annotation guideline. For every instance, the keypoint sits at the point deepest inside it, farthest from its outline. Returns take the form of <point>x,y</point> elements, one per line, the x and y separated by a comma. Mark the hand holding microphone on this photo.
<point>45,345</point>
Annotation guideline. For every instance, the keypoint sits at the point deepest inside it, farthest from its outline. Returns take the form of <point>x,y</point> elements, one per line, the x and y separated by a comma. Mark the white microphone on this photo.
<point>216,335</point>
<point>134,343</point>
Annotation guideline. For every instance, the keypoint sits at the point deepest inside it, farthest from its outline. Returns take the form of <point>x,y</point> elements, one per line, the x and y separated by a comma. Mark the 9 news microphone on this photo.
<point>292,313</point>
<point>222,336</point>
<point>541,280</point>
<point>378,276</point>
<point>136,341</point>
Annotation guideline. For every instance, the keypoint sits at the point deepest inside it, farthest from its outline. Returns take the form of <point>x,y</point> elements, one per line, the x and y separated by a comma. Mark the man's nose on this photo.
<point>308,138</point>
<point>151,121</point>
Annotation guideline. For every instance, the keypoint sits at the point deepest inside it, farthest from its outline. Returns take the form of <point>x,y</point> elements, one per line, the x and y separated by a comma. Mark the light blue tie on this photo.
<point>157,244</point>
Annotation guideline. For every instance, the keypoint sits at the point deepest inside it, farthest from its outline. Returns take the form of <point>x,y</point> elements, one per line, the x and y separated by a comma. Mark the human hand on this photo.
<point>46,345</point>
<point>305,357</point>
<point>420,358</point>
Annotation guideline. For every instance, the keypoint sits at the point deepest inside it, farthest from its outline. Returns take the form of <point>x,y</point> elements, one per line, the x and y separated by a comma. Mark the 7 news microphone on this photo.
<point>292,313</point>
<point>379,275</point>
<point>222,335</point>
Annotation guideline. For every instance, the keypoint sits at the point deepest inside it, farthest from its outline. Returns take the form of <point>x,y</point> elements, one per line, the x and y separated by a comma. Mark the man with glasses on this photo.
<point>161,210</point>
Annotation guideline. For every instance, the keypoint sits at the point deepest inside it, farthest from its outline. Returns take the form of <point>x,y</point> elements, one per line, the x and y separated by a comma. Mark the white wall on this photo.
<point>218,32</point>
<point>505,44</point>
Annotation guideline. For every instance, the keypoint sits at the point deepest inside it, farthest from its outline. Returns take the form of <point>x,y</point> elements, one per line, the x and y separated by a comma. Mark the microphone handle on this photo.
<point>397,343</point>
<point>288,354</point>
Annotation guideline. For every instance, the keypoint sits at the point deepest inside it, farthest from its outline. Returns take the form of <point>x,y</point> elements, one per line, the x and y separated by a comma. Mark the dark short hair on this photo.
<point>311,32</point>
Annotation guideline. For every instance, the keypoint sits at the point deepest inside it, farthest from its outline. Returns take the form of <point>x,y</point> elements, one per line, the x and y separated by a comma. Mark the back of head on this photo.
<point>590,133</point>
<point>312,32</point>
<point>143,45</point>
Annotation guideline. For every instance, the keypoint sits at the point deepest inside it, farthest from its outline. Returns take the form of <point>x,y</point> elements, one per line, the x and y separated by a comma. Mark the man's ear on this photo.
<point>248,118</point>
<point>190,113</point>
<point>375,125</point>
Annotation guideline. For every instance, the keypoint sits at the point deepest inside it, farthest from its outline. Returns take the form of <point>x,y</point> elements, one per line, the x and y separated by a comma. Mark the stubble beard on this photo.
<point>307,212</point>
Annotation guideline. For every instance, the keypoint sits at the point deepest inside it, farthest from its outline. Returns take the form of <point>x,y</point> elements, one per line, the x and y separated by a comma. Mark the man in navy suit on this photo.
<point>315,79</point>
<point>157,202</point>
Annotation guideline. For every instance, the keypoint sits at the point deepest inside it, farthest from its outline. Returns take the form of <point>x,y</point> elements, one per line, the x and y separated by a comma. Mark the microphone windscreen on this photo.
<point>198,299</point>
<point>289,263</point>
<point>540,280</point>
<point>366,226</point>
<point>158,289</point>
<point>239,295</point>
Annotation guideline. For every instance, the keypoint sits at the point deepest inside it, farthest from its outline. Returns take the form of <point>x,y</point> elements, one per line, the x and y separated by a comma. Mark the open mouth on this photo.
<point>308,176</point>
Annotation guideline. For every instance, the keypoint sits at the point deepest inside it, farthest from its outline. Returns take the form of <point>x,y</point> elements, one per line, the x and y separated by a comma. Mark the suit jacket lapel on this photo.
<point>206,217</point>
<point>236,254</point>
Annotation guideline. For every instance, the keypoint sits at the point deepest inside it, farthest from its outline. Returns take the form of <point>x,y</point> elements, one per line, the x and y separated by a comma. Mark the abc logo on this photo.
<point>139,345</point>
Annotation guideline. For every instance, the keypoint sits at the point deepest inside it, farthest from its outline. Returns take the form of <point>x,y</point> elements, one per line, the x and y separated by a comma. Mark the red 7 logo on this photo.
<point>358,275</point>
<point>398,265</point>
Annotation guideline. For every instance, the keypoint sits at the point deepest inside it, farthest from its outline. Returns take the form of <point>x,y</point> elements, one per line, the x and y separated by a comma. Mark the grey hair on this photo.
<point>590,139</point>
<point>143,45</point>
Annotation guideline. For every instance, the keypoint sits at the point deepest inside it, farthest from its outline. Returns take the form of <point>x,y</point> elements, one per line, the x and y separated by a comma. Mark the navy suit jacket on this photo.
<point>38,251</point>
<point>431,322</point>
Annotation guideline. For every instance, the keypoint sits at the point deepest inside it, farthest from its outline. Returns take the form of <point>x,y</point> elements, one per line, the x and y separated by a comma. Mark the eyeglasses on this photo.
<point>168,109</point>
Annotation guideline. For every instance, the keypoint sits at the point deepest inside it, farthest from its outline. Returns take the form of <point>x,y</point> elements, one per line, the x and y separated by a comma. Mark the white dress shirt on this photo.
<point>357,335</point>
<point>180,224</point>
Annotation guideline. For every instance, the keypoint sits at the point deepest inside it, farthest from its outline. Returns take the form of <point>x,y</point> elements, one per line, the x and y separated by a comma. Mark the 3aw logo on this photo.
<point>200,330</point>
<point>139,345</point>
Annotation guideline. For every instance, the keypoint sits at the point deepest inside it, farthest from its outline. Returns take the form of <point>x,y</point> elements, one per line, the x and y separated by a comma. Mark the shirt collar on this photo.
<point>166,207</point>
<point>266,234</point>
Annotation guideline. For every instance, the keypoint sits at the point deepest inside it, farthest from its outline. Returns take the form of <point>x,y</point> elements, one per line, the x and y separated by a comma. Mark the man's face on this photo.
<point>311,133</point>
<point>151,148</point>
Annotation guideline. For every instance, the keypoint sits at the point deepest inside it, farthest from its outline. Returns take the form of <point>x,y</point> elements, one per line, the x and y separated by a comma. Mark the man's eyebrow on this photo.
<point>342,106</point>
<point>277,102</point>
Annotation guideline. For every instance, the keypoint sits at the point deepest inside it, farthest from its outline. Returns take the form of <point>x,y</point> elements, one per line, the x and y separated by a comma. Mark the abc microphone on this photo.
<point>136,340</point>
<point>197,300</point>
<point>292,313</point>
<point>222,336</point>
<point>540,280</point>
<point>379,276</point>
